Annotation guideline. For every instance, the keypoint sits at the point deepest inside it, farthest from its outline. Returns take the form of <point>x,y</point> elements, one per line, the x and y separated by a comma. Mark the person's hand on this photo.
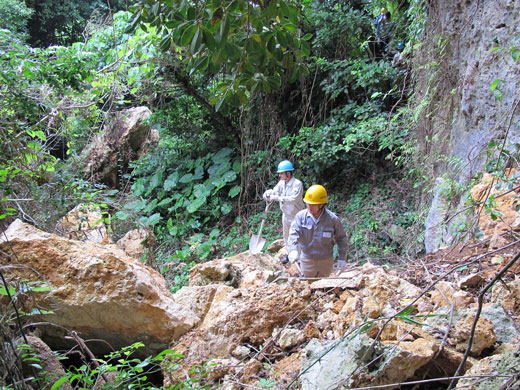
<point>341,264</point>
<point>275,198</point>
<point>267,195</point>
<point>293,256</point>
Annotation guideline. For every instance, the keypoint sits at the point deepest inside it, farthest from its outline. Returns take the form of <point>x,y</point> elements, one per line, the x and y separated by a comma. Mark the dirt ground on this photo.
<point>455,262</point>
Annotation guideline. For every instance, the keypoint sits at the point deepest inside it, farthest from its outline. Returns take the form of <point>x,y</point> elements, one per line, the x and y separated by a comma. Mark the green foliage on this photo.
<point>14,15</point>
<point>130,372</point>
<point>60,22</point>
<point>183,192</point>
<point>251,47</point>
<point>510,52</point>
<point>32,81</point>
<point>380,219</point>
<point>338,27</point>
<point>416,19</point>
<point>20,297</point>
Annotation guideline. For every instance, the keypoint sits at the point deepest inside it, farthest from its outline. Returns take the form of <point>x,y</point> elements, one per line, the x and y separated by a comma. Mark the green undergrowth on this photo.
<point>382,222</point>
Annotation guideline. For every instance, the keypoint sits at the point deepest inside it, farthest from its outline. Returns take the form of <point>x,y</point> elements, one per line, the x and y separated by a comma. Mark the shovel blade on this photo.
<point>256,244</point>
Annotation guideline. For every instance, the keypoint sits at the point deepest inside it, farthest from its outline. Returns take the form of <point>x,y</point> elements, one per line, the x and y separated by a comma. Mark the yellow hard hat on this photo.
<point>383,10</point>
<point>316,194</point>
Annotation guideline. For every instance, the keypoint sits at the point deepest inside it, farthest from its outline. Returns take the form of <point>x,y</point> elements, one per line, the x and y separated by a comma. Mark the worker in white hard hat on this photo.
<point>288,192</point>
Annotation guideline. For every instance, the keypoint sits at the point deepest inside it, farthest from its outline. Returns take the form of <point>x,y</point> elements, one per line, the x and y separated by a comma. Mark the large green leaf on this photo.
<point>188,34</point>
<point>187,178</point>
<point>154,182</point>
<point>195,204</point>
<point>171,181</point>
<point>229,176</point>
<point>234,191</point>
<point>201,191</point>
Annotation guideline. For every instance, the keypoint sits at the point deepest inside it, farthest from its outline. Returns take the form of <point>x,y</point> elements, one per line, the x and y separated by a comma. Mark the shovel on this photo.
<point>257,241</point>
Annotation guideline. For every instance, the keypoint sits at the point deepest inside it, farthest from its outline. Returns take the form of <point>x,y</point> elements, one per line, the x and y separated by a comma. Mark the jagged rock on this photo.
<point>497,241</point>
<point>241,352</point>
<point>199,298</point>
<point>136,242</point>
<point>83,223</point>
<point>221,367</point>
<point>127,138</point>
<point>483,336</point>
<point>445,364</point>
<point>471,280</point>
<point>311,331</point>
<point>385,294</point>
<point>504,204</point>
<point>343,361</point>
<point>492,372</point>
<point>349,279</point>
<point>256,279</point>
<point>238,317</point>
<point>503,325</point>
<point>96,290</point>
<point>286,369</point>
<point>446,294</point>
<point>231,271</point>
<point>404,359</point>
<point>252,367</point>
<point>276,246</point>
<point>230,385</point>
<point>508,296</point>
<point>290,337</point>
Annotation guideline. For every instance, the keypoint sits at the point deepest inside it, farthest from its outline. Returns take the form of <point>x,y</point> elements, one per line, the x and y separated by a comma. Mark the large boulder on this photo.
<point>127,137</point>
<point>96,290</point>
<point>360,361</point>
<point>231,317</point>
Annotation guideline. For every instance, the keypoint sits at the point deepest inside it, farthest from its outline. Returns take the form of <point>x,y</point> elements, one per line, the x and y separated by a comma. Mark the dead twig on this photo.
<point>87,351</point>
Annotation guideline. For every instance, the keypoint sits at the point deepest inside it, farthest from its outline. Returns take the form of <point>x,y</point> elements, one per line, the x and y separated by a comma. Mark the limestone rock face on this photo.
<point>128,137</point>
<point>470,115</point>
<point>446,294</point>
<point>96,290</point>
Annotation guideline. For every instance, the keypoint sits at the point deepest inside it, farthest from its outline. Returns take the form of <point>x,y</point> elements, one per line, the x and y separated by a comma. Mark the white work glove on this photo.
<point>341,264</point>
<point>293,256</point>
<point>275,198</point>
<point>267,195</point>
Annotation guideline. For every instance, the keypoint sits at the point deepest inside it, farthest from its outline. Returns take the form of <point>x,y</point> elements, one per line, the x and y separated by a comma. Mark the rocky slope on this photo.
<point>251,323</point>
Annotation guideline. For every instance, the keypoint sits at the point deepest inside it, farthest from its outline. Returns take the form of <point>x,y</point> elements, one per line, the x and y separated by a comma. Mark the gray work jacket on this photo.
<point>290,196</point>
<point>314,239</point>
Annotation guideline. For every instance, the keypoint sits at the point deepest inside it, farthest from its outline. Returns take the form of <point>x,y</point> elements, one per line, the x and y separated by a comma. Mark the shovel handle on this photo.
<point>263,219</point>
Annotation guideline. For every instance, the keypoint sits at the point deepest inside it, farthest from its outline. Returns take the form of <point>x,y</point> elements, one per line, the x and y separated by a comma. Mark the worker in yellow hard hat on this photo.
<point>313,234</point>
